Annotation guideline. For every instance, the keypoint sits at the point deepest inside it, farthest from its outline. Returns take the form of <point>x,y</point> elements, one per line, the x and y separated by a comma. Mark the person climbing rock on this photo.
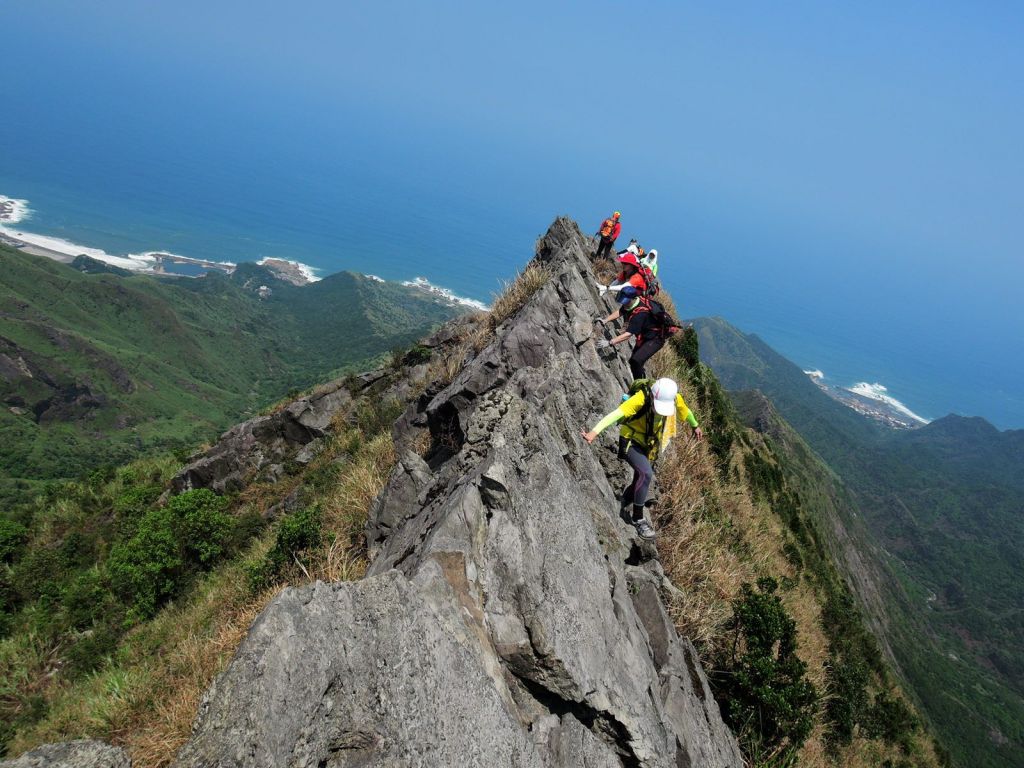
<point>634,247</point>
<point>648,422</point>
<point>645,319</point>
<point>610,229</point>
<point>650,260</point>
<point>631,274</point>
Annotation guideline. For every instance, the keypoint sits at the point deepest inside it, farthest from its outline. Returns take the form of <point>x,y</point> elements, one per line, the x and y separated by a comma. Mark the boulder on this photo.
<point>259,443</point>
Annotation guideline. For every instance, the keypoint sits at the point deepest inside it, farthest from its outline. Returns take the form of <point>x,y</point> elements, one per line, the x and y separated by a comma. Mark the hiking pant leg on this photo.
<point>641,354</point>
<point>643,473</point>
<point>604,248</point>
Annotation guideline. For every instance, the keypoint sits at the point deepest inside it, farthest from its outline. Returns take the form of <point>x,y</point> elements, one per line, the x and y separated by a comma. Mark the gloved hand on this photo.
<point>602,343</point>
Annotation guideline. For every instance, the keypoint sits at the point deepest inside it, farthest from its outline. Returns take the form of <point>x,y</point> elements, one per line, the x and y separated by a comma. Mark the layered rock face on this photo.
<point>83,753</point>
<point>263,443</point>
<point>510,617</point>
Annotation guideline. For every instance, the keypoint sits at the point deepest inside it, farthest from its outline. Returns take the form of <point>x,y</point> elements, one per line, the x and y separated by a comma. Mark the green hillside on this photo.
<point>938,509</point>
<point>143,363</point>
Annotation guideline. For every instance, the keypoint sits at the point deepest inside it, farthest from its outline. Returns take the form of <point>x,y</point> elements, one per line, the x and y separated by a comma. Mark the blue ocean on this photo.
<point>117,161</point>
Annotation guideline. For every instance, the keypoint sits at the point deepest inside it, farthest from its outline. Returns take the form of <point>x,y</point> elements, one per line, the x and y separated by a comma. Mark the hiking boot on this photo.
<point>644,529</point>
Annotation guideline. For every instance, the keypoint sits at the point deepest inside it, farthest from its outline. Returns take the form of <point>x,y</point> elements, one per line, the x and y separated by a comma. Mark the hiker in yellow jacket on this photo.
<point>648,422</point>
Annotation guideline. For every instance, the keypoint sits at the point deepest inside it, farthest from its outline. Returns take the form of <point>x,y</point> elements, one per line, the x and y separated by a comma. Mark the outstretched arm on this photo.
<point>685,414</point>
<point>624,411</point>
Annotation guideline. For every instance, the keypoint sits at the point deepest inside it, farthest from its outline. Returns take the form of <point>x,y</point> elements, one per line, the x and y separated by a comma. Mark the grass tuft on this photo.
<point>517,292</point>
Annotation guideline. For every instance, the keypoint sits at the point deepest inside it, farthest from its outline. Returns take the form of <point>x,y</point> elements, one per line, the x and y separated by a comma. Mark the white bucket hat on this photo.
<point>664,392</point>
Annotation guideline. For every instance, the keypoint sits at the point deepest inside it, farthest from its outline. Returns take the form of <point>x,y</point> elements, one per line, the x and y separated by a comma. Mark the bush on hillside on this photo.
<point>760,681</point>
<point>170,543</point>
<point>299,533</point>
<point>13,537</point>
<point>891,719</point>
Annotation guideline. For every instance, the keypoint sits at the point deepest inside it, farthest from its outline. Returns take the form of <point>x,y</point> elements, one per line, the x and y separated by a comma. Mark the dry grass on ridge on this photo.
<point>712,538</point>
<point>517,292</point>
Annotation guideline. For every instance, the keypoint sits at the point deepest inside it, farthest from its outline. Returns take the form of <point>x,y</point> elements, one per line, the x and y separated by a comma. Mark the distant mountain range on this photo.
<point>935,518</point>
<point>91,352</point>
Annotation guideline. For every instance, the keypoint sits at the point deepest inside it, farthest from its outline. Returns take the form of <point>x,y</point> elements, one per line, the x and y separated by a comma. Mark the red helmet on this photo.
<point>629,258</point>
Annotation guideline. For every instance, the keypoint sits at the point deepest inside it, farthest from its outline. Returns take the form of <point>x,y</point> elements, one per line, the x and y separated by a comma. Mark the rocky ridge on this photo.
<point>509,616</point>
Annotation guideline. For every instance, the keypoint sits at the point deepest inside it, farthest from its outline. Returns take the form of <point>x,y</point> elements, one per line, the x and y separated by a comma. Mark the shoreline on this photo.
<point>870,400</point>
<point>36,250</point>
<point>14,211</point>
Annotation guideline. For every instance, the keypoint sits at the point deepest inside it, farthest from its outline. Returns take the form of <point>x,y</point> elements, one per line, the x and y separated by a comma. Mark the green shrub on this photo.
<point>38,575</point>
<point>417,354</point>
<point>848,700</point>
<point>205,524</point>
<point>296,534</point>
<point>101,476</point>
<point>687,346</point>
<point>146,569</point>
<point>77,550</point>
<point>13,537</point>
<point>377,416</point>
<point>891,719</point>
<point>86,599</point>
<point>245,527</point>
<point>135,500</point>
<point>91,650</point>
<point>171,542</point>
<point>761,682</point>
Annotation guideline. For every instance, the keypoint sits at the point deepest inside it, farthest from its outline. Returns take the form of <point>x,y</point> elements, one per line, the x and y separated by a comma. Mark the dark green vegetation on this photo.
<point>762,681</point>
<point>934,517</point>
<point>139,364</point>
<point>99,571</point>
<point>759,677</point>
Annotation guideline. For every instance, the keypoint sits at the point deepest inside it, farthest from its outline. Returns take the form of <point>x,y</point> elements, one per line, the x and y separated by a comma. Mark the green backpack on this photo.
<point>647,411</point>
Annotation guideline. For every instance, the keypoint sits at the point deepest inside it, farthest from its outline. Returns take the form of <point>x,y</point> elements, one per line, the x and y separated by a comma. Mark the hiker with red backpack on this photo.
<point>609,231</point>
<point>648,418</point>
<point>647,320</point>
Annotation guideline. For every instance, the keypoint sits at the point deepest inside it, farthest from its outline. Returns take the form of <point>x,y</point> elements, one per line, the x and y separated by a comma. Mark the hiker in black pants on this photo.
<point>640,322</point>
<point>647,421</point>
<point>609,232</point>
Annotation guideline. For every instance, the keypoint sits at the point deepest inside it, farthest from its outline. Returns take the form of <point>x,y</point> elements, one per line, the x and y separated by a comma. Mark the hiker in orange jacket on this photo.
<point>631,274</point>
<point>610,229</point>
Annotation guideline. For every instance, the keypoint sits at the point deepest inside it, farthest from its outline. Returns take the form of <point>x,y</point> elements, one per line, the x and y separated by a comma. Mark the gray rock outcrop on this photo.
<point>510,617</point>
<point>72,754</point>
<point>263,442</point>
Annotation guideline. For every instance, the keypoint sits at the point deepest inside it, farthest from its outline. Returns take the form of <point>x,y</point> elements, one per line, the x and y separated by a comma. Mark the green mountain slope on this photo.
<point>940,529</point>
<point>139,362</point>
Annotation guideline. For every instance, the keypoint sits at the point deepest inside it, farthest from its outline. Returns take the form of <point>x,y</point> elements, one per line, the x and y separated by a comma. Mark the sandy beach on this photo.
<point>36,250</point>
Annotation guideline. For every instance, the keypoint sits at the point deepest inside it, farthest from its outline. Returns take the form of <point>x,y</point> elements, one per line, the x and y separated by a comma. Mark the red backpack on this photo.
<point>650,281</point>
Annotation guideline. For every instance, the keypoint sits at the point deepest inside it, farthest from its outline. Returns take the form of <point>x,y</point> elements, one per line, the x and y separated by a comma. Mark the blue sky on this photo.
<point>857,162</point>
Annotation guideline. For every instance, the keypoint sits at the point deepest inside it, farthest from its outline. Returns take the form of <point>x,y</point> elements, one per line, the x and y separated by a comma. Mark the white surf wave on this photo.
<point>138,262</point>
<point>816,373</point>
<point>425,285</point>
<point>13,210</point>
<point>878,392</point>
<point>307,272</point>
<point>376,279</point>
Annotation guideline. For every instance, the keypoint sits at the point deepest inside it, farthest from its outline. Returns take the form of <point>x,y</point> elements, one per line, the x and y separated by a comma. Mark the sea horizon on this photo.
<point>55,232</point>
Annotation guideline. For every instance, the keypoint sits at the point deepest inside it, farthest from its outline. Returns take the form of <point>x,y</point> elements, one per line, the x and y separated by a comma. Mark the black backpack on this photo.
<point>665,325</point>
